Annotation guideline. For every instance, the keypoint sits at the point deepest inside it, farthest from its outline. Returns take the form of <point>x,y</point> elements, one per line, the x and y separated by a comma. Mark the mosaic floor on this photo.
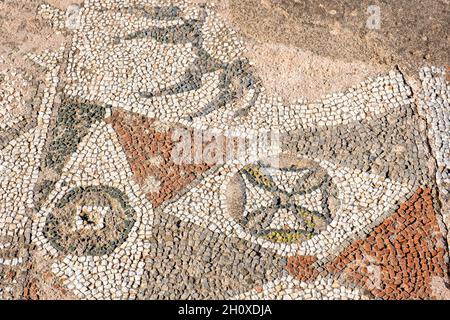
<point>151,162</point>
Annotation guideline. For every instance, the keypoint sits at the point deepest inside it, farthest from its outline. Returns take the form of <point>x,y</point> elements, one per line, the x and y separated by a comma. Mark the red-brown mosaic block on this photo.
<point>149,154</point>
<point>401,258</point>
<point>302,267</point>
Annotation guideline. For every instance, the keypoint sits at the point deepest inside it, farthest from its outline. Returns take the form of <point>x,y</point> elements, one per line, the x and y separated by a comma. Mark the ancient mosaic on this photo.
<point>350,201</point>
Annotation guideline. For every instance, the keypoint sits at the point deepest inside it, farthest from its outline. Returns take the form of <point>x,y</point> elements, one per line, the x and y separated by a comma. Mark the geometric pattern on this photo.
<point>342,197</point>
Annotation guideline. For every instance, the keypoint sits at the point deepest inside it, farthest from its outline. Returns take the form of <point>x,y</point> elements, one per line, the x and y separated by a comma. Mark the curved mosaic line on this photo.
<point>344,205</point>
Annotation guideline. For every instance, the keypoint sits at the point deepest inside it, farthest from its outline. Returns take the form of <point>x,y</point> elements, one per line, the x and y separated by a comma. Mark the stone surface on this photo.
<point>158,153</point>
